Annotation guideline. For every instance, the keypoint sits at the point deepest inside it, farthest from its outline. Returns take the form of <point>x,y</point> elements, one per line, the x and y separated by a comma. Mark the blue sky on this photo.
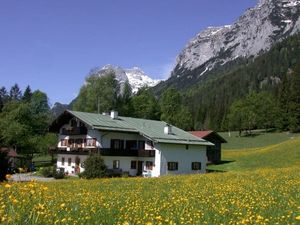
<point>52,45</point>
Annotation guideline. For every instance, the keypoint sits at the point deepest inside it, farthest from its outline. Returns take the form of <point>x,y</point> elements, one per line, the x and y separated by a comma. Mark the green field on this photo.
<point>283,155</point>
<point>261,187</point>
<point>256,140</point>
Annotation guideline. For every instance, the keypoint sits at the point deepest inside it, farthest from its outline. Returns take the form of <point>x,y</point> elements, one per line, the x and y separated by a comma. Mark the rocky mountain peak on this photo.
<point>254,32</point>
<point>136,77</point>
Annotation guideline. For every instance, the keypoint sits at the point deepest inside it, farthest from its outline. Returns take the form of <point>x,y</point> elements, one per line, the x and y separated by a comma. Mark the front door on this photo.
<point>140,168</point>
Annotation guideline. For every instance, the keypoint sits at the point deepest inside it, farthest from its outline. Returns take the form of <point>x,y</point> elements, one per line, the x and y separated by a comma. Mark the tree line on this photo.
<point>24,120</point>
<point>102,94</point>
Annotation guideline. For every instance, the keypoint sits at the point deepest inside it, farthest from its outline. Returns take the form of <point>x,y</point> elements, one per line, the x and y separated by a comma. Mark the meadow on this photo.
<point>265,191</point>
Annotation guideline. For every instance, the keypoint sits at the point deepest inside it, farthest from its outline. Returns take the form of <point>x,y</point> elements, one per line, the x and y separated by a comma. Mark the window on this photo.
<point>70,142</point>
<point>186,147</point>
<point>69,161</point>
<point>141,144</point>
<point>149,165</point>
<point>79,143</point>
<point>63,161</point>
<point>63,142</point>
<point>133,165</point>
<point>117,144</point>
<point>172,166</point>
<point>116,164</point>
<point>131,145</point>
<point>91,142</point>
<point>196,165</point>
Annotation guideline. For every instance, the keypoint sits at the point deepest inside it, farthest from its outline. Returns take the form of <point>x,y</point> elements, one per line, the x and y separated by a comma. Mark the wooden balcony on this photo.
<point>127,152</point>
<point>103,152</point>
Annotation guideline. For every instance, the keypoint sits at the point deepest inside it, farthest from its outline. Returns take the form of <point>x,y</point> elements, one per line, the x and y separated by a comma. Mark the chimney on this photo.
<point>114,115</point>
<point>168,129</point>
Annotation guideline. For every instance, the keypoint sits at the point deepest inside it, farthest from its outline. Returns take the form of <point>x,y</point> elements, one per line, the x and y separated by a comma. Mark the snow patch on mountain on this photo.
<point>136,77</point>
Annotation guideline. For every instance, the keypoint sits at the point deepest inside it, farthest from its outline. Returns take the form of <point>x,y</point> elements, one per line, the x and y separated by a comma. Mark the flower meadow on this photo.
<point>263,196</point>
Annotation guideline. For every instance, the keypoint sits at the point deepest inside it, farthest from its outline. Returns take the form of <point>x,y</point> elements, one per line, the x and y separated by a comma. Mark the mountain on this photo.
<point>138,79</point>
<point>271,21</point>
<point>135,76</point>
<point>223,64</point>
<point>59,108</point>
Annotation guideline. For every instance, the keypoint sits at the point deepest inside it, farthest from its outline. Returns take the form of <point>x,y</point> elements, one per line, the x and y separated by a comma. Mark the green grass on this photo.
<point>259,139</point>
<point>282,155</point>
<point>261,187</point>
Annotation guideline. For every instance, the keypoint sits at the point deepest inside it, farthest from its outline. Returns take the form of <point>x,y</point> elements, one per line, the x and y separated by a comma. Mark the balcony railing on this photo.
<point>74,131</point>
<point>103,152</point>
<point>127,152</point>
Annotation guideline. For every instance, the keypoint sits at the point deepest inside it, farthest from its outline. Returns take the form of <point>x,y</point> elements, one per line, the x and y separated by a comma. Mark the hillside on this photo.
<point>210,99</point>
<point>258,139</point>
<point>223,64</point>
<point>283,155</point>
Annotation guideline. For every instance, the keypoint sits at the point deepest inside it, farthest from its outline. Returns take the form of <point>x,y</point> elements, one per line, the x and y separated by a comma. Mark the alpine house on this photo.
<point>127,145</point>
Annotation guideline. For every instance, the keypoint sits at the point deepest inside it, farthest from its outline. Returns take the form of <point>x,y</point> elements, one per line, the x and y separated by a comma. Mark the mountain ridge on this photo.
<point>254,32</point>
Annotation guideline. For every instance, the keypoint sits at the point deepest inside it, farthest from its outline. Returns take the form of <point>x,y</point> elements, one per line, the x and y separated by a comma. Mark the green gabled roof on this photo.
<point>151,129</point>
<point>154,130</point>
<point>102,122</point>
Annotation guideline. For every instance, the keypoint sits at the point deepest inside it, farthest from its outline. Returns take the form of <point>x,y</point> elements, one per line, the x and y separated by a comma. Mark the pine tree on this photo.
<point>27,94</point>
<point>3,97</point>
<point>15,93</point>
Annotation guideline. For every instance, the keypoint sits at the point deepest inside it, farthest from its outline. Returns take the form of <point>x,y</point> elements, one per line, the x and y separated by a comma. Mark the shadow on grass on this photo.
<point>224,162</point>
<point>212,170</point>
<point>215,171</point>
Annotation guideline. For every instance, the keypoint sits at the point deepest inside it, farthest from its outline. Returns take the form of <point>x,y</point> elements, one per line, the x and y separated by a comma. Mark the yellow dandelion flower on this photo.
<point>148,223</point>
<point>62,205</point>
<point>7,185</point>
<point>298,218</point>
<point>8,176</point>
<point>125,223</point>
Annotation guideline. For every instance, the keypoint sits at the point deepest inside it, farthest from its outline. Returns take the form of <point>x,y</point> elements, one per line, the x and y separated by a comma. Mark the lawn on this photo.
<point>258,139</point>
<point>282,155</point>
<point>262,187</point>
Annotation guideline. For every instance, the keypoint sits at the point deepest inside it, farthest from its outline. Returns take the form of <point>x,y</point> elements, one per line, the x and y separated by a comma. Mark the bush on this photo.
<point>47,171</point>
<point>59,175</point>
<point>94,167</point>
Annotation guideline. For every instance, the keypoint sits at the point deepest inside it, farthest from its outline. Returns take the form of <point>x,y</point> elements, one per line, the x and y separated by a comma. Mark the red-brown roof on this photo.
<point>202,133</point>
<point>10,152</point>
<point>205,133</point>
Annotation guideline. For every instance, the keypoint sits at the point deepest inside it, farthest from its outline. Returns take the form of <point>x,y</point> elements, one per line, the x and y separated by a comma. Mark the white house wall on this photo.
<point>70,169</point>
<point>178,153</point>
<point>125,163</point>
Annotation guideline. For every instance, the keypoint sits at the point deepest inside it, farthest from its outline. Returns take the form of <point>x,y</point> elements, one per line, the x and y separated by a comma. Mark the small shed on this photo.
<point>213,153</point>
<point>11,154</point>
